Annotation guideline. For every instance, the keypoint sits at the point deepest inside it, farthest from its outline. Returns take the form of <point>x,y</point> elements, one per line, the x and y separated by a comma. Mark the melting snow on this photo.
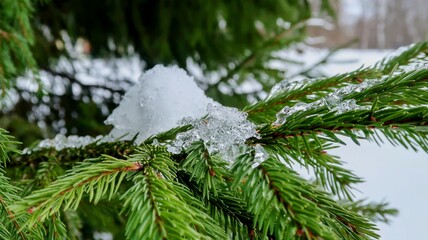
<point>164,98</point>
<point>334,101</point>
<point>224,131</point>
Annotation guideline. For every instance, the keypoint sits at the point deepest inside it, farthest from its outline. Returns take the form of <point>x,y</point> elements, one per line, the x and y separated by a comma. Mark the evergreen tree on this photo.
<point>143,191</point>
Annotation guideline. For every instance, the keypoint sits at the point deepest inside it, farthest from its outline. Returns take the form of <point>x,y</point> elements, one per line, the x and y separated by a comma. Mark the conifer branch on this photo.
<point>313,155</point>
<point>397,124</point>
<point>265,110</point>
<point>375,211</point>
<point>13,225</point>
<point>208,171</point>
<point>69,156</point>
<point>288,207</point>
<point>94,177</point>
<point>151,204</point>
<point>230,211</point>
<point>416,52</point>
<point>9,195</point>
<point>55,227</point>
<point>403,88</point>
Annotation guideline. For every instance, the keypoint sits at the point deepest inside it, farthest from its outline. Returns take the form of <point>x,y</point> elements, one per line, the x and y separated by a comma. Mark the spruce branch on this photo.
<point>414,53</point>
<point>407,127</point>
<point>152,205</point>
<point>46,173</point>
<point>313,156</point>
<point>4,232</point>
<point>288,207</point>
<point>7,146</point>
<point>229,210</point>
<point>265,110</point>
<point>396,86</point>
<point>16,38</point>
<point>375,211</point>
<point>55,227</point>
<point>208,171</point>
<point>207,177</point>
<point>96,177</point>
<point>12,225</point>
<point>68,157</point>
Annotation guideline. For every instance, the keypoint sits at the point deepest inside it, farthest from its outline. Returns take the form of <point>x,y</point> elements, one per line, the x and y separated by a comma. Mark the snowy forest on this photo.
<point>211,119</point>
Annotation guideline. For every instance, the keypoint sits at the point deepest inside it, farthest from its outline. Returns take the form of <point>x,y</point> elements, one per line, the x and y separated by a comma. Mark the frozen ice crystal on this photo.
<point>260,155</point>
<point>280,87</point>
<point>333,101</point>
<point>283,114</point>
<point>223,131</point>
<point>162,97</point>
<point>289,84</point>
<point>347,105</point>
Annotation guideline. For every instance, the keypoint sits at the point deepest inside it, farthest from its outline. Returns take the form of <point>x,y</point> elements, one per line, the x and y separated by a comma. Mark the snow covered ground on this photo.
<point>393,174</point>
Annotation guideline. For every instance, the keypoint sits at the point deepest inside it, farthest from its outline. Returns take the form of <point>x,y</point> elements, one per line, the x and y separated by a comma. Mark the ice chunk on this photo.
<point>333,101</point>
<point>283,114</point>
<point>289,84</point>
<point>281,86</point>
<point>260,155</point>
<point>348,105</point>
<point>162,97</point>
<point>223,131</point>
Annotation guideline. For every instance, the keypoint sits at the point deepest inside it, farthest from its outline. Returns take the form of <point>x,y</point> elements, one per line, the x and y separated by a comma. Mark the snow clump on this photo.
<point>164,98</point>
<point>161,98</point>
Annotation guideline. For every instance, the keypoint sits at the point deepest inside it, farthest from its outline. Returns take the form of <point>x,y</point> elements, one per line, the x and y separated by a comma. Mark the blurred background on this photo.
<point>87,53</point>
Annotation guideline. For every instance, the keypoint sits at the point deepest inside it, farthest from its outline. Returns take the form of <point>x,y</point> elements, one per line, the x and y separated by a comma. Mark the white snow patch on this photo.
<point>162,97</point>
<point>61,142</point>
